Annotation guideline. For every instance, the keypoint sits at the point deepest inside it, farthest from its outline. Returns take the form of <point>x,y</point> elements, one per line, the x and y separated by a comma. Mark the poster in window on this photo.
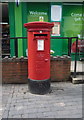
<point>56,29</point>
<point>56,12</point>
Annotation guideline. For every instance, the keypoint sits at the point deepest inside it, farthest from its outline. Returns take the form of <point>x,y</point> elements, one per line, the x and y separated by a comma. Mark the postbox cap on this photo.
<point>36,25</point>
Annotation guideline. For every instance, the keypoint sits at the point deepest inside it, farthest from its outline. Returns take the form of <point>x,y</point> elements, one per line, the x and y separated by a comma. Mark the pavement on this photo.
<point>64,101</point>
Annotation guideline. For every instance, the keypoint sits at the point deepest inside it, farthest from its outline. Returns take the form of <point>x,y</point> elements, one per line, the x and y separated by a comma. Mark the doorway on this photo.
<point>5,30</point>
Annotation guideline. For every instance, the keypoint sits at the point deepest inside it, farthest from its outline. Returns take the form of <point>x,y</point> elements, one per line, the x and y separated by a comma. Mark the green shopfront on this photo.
<point>68,19</point>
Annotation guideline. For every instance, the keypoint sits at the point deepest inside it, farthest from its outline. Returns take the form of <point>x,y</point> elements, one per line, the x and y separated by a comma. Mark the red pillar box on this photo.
<point>39,56</point>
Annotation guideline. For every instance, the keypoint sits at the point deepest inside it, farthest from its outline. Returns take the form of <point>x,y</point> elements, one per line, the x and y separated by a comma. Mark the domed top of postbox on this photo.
<point>38,25</point>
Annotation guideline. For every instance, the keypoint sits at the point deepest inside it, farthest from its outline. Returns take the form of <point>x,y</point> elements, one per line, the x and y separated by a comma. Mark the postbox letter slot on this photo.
<point>40,34</point>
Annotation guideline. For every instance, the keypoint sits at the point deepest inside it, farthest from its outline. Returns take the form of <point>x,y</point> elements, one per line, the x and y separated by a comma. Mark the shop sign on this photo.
<point>37,13</point>
<point>77,16</point>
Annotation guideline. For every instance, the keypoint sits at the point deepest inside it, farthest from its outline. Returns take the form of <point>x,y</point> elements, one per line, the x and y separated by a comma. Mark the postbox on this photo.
<point>39,56</point>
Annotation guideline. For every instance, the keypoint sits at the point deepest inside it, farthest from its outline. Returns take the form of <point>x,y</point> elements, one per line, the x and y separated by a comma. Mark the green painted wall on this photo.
<point>24,30</point>
<point>12,27</point>
<point>17,18</point>
<point>18,28</point>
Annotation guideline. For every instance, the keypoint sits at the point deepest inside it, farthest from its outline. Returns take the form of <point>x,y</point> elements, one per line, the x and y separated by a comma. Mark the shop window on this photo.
<point>5,31</point>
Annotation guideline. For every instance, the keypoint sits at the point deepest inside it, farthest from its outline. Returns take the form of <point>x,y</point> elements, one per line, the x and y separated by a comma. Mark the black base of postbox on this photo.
<point>39,86</point>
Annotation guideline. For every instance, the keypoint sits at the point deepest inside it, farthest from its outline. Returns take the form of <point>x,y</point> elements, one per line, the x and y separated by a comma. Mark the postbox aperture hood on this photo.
<point>37,25</point>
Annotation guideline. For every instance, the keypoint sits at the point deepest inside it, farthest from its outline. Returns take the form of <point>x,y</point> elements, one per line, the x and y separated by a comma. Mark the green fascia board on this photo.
<point>12,27</point>
<point>18,28</point>
<point>56,3</point>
